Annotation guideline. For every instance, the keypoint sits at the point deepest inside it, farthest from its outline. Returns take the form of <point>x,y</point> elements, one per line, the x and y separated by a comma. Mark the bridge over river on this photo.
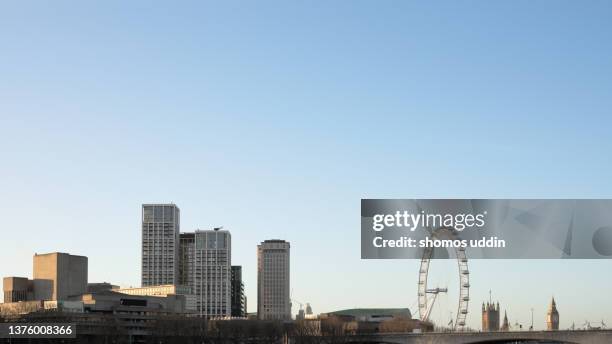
<point>569,337</point>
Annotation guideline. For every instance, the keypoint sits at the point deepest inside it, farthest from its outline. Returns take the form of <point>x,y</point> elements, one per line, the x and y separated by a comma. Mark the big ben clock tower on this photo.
<point>552,317</point>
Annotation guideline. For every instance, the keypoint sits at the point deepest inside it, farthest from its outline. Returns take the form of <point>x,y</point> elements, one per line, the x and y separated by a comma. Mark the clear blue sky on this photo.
<point>275,118</point>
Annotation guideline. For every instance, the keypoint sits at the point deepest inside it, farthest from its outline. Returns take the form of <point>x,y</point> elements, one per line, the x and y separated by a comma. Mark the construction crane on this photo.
<point>301,314</point>
<point>298,302</point>
<point>435,293</point>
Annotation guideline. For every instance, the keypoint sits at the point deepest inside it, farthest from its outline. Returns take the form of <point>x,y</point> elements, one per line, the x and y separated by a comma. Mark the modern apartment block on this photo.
<point>199,260</point>
<point>239,302</point>
<point>205,266</point>
<point>273,299</point>
<point>160,241</point>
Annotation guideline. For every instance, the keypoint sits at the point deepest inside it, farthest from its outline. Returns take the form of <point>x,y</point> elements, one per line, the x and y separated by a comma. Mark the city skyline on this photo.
<point>274,119</point>
<point>514,322</point>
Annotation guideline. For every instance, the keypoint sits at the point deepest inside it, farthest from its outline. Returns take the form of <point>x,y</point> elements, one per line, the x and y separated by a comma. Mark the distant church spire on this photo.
<point>505,325</point>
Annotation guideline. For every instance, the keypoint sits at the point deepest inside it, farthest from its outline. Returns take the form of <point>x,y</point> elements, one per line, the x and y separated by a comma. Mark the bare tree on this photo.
<point>306,332</point>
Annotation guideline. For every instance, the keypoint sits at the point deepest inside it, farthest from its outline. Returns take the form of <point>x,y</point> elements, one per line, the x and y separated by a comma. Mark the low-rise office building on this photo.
<point>372,320</point>
<point>104,314</point>
<point>112,301</point>
<point>373,314</point>
<point>165,291</point>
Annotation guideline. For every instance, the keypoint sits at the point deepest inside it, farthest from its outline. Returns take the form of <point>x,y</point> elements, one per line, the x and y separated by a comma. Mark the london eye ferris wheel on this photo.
<point>427,297</point>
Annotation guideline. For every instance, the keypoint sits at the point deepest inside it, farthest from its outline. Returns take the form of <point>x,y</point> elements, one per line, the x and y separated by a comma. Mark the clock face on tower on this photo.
<point>552,319</point>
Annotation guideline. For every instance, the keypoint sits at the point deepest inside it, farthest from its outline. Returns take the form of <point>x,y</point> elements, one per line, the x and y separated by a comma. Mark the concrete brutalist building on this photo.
<point>57,276</point>
<point>17,289</point>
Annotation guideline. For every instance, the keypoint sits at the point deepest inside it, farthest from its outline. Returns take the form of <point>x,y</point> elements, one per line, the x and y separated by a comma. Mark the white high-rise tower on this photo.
<point>273,299</point>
